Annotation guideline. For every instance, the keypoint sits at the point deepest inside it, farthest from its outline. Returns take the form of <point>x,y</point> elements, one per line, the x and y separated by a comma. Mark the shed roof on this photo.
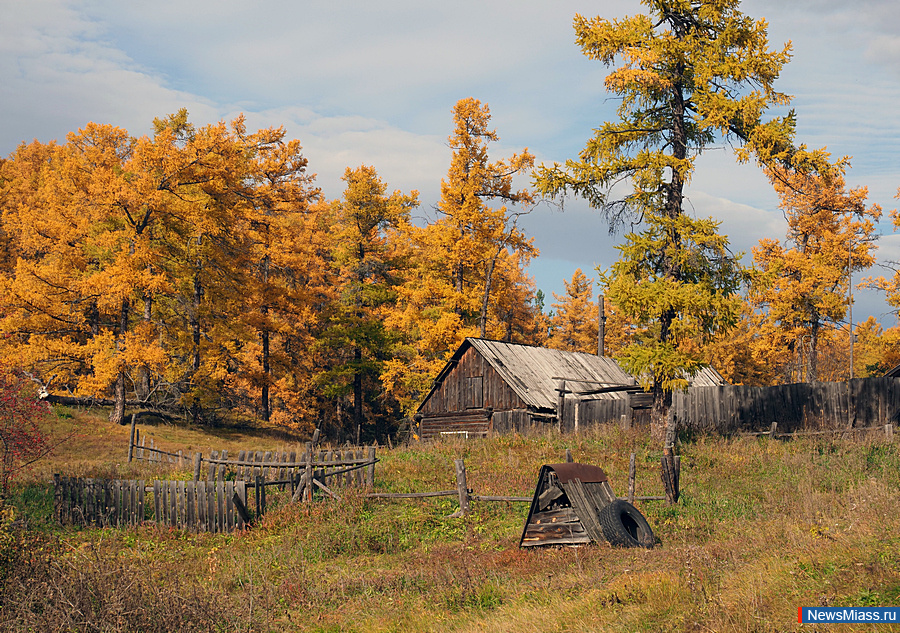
<point>533,372</point>
<point>707,377</point>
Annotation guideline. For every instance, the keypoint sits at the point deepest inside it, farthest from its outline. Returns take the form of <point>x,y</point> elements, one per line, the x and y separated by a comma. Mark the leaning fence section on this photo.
<point>342,467</point>
<point>196,506</point>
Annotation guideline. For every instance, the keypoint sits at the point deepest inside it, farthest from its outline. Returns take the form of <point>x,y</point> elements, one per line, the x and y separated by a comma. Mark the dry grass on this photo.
<point>763,527</point>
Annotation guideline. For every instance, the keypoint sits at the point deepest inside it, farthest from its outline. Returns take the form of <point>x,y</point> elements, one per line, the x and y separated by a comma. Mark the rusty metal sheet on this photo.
<point>568,471</point>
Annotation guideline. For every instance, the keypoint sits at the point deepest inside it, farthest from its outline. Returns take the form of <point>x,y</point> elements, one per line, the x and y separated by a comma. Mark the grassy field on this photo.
<point>762,528</point>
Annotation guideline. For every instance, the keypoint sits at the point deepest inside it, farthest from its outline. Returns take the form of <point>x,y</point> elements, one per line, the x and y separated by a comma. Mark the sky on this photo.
<point>374,83</point>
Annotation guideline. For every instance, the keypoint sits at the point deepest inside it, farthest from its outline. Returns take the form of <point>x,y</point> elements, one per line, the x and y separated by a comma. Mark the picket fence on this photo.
<point>189,505</point>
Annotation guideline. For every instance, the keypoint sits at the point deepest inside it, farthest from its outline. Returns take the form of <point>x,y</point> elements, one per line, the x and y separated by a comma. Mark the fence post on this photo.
<point>569,455</point>
<point>461,487</point>
<point>198,461</point>
<point>260,496</point>
<point>670,477</point>
<point>631,474</point>
<point>889,432</point>
<point>772,430</point>
<point>370,471</point>
<point>309,471</point>
<point>240,494</point>
<point>131,439</point>
<point>560,403</point>
<point>677,476</point>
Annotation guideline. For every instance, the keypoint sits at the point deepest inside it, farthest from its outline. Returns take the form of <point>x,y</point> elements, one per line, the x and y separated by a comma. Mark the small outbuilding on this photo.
<point>503,387</point>
<point>574,504</point>
<point>566,506</point>
<point>491,385</point>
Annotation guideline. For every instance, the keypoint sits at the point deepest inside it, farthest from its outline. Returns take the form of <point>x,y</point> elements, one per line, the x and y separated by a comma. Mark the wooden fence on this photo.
<point>343,467</point>
<point>197,506</point>
<point>862,402</point>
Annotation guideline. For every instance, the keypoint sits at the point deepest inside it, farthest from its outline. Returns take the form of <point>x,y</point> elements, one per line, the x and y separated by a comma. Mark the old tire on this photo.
<point>624,526</point>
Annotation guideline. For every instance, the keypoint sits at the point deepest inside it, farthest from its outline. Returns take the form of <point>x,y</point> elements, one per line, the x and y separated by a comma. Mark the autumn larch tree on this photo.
<point>802,285</point>
<point>692,72</point>
<point>82,223</point>
<point>475,237</point>
<point>574,325</point>
<point>369,262</point>
<point>279,194</point>
<point>470,262</point>
<point>138,259</point>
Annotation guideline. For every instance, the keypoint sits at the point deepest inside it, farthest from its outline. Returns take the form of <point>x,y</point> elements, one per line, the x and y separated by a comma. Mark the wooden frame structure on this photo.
<point>566,506</point>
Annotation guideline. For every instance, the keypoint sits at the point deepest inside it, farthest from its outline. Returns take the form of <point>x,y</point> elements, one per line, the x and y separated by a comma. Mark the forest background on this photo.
<point>243,319</point>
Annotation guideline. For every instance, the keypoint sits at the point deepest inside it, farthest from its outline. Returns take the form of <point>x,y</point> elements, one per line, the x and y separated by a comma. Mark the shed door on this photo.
<point>475,392</point>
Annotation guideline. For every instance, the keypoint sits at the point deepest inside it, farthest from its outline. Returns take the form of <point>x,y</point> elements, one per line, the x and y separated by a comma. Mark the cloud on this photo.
<point>58,74</point>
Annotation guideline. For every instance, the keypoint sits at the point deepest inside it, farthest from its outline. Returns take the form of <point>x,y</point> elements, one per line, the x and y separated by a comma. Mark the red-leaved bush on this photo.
<point>21,440</point>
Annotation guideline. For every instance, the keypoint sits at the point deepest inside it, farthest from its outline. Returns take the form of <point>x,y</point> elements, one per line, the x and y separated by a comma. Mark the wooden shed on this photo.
<point>491,385</point>
<point>566,506</point>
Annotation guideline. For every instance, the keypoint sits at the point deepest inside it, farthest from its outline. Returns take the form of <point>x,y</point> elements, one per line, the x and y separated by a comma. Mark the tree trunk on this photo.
<point>487,294</point>
<point>660,420</point>
<point>143,382</point>
<point>357,396</point>
<point>195,337</point>
<point>459,290</point>
<point>264,393</point>
<point>117,415</point>
<point>812,371</point>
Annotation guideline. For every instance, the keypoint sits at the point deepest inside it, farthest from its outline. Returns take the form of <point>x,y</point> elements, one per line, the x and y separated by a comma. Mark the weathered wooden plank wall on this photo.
<point>473,384</point>
<point>514,421</point>
<point>593,412</point>
<point>861,402</point>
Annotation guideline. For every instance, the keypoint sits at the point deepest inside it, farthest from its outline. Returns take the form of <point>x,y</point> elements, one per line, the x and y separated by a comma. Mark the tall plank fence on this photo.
<point>862,402</point>
<point>197,506</point>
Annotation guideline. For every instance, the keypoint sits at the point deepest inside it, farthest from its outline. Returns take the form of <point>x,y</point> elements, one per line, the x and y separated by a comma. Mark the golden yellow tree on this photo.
<point>574,325</point>
<point>741,355</point>
<point>469,264</point>
<point>81,222</point>
<point>139,260</point>
<point>802,285</point>
<point>281,224</point>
